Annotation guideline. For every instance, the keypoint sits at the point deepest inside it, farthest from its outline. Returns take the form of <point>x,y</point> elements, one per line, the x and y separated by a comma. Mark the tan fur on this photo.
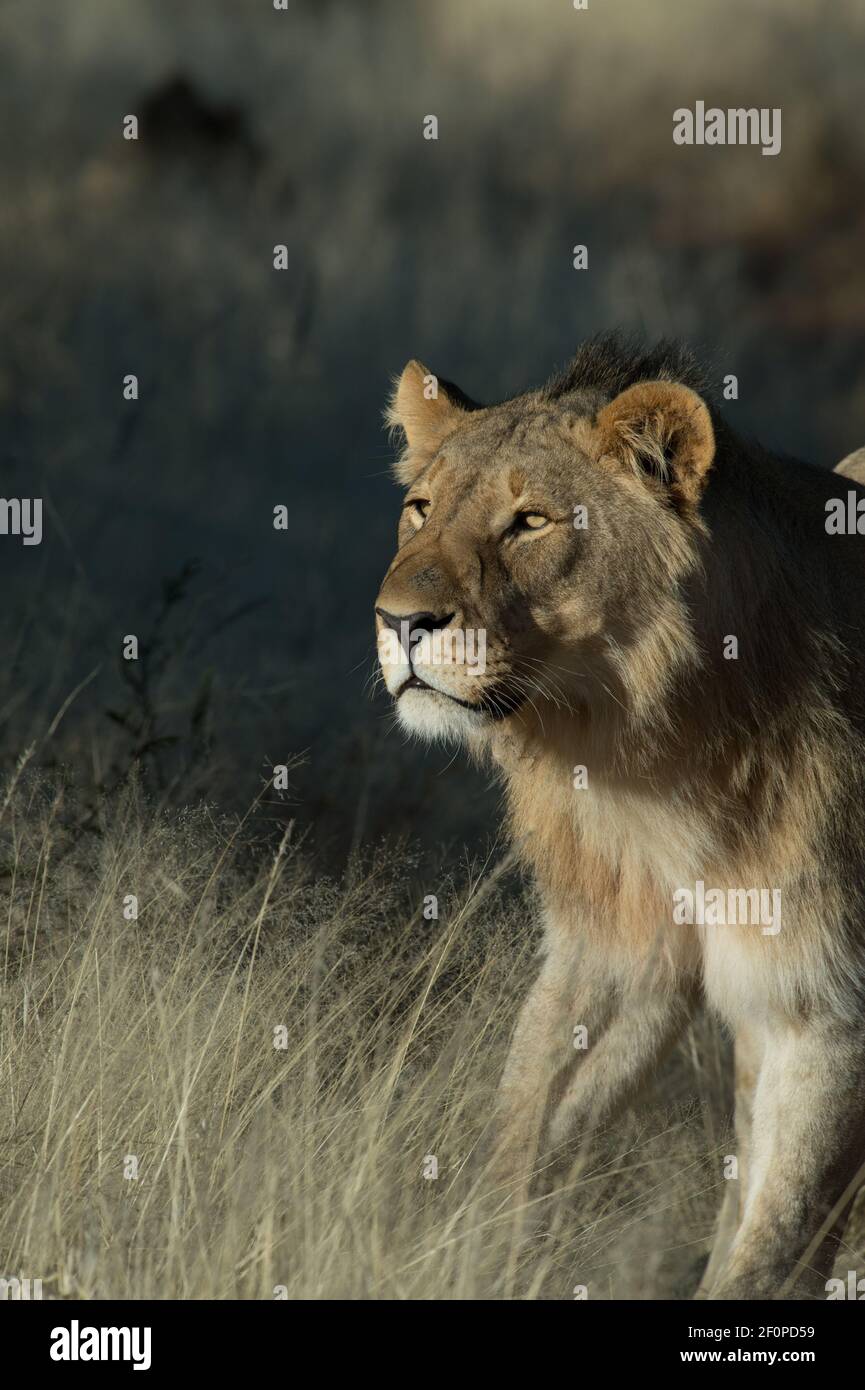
<point>853,466</point>
<point>667,427</point>
<point>605,650</point>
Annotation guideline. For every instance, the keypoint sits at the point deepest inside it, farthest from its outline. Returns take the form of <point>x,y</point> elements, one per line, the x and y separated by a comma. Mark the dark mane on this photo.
<point>611,362</point>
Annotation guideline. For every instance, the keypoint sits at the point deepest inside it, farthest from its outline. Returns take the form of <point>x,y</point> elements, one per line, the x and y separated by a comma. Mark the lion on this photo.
<point>672,687</point>
<point>853,466</point>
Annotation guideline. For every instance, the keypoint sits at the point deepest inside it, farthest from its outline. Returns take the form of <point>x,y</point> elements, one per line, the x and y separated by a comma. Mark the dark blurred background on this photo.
<point>260,387</point>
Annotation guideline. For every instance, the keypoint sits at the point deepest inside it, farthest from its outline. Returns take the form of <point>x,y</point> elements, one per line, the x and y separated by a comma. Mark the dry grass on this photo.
<point>302,1167</point>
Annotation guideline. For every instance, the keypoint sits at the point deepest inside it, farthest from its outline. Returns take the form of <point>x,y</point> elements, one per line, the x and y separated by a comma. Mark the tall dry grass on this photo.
<point>263,1167</point>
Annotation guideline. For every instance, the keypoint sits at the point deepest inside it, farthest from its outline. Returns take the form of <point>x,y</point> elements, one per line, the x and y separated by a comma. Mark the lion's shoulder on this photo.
<point>853,466</point>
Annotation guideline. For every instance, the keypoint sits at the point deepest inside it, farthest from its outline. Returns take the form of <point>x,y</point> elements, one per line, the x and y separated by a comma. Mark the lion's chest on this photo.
<point>616,857</point>
<point>637,872</point>
<point>640,874</point>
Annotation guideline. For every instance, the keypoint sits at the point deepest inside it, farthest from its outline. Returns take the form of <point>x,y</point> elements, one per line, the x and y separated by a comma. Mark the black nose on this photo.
<point>415,624</point>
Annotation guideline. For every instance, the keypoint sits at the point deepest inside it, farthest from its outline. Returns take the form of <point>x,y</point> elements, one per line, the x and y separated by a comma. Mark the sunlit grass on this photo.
<point>148,1046</point>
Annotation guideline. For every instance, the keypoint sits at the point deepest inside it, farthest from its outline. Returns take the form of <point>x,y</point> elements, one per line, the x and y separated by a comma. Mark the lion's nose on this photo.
<point>417,625</point>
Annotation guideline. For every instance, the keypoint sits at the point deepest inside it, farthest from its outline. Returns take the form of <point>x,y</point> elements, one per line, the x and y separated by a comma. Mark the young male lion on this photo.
<point>672,684</point>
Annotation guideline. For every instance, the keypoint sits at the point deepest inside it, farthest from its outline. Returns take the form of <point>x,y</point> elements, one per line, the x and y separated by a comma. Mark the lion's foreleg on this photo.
<point>748,1059</point>
<point>616,1064</point>
<point>808,1143</point>
<point>567,992</point>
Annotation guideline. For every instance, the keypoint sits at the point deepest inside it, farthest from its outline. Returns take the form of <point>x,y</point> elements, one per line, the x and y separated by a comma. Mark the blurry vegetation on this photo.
<point>260,388</point>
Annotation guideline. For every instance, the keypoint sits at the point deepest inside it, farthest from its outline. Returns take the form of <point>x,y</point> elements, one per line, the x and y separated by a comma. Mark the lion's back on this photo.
<point>853,466</point>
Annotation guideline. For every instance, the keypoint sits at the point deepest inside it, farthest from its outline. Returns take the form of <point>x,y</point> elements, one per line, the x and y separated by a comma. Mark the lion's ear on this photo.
<point>660,430</point>
<point>426,410</point>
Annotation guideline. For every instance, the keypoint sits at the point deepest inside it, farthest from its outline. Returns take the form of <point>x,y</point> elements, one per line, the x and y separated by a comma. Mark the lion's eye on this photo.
<point>530,521</point>
<point>417,508</point>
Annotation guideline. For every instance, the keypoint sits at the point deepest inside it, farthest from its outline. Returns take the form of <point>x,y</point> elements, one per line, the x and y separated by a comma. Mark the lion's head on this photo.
<point>543,548</point>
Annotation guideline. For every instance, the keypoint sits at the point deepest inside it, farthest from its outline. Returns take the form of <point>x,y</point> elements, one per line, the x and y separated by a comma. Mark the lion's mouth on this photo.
<point>415,683</point>
<point>497,704</point>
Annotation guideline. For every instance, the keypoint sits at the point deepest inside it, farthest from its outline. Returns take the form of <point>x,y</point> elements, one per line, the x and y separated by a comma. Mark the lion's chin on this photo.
<point>432,716</point>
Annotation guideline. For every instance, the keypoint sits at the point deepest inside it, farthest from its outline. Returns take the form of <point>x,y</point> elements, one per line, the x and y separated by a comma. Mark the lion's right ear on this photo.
<point>426,410</point>
<point>661,431</point>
